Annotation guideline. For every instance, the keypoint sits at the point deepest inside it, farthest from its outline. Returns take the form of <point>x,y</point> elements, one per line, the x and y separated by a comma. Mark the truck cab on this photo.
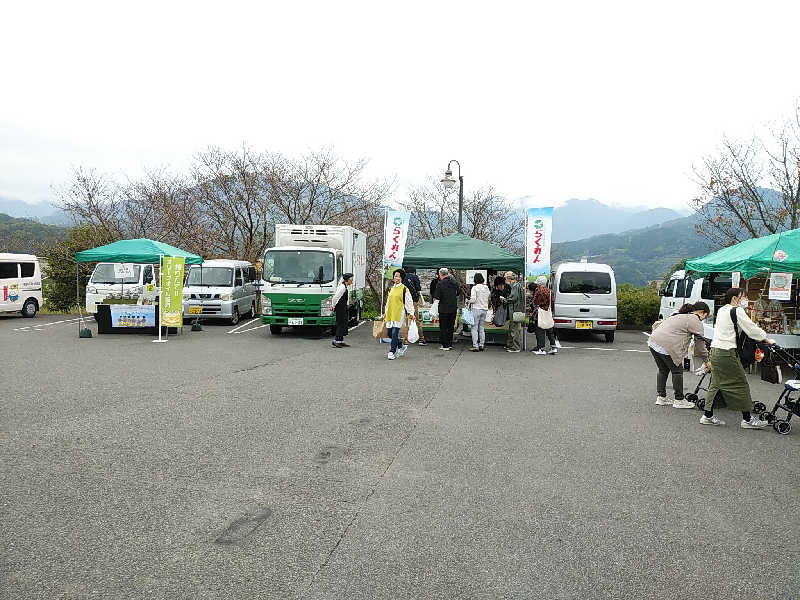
<point>104,282</point>
<point>681,288</point>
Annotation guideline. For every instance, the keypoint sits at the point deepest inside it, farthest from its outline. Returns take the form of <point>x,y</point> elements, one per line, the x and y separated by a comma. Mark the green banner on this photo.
<point>172,291</point>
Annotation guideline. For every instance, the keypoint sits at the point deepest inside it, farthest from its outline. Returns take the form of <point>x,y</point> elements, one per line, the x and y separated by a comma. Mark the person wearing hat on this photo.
<point>543,299</point>
<point>340,302</point>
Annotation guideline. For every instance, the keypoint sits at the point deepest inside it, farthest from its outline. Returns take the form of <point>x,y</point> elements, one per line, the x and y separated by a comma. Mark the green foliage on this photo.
<point>372,306</point>
<point>637,307</point>
<point>27,237</point>
<point>58,264</point>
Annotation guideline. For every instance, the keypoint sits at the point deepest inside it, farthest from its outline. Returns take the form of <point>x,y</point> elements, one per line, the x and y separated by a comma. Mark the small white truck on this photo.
<point>302,270</point>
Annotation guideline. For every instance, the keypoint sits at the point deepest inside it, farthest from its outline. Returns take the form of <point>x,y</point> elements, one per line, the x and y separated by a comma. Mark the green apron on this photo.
<point>728,377</point>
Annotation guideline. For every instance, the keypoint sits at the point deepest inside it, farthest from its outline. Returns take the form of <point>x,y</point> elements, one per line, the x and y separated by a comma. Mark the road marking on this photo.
<point>251,329</point>
<point>38,327</point>
<point>242,325</point>
<point>360,323</point>
<point>645,351</point>
<point>558,344</point>
<point>647,334</point>
<point>600,349</point>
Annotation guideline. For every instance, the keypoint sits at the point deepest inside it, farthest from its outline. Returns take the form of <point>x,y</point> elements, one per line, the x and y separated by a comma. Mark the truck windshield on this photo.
<point>298,266</point>
<point>579,282</point>
<point>104,273</point>
<point>210,276</point>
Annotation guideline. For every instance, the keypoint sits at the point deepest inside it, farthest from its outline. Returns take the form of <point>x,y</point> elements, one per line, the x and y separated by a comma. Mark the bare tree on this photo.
<point>94,199</point>
<point>750,189</point>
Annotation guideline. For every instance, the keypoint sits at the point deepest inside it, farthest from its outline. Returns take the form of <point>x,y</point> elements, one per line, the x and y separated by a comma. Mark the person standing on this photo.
<point>342,311</point>
<point>414,286</point>
<point>669,344</point>
<point>479,303</point>
<point>727,372</point>
<point>446,293</point>
<point>515,303</point>
<point>543,300</point>
<point>398,306</point>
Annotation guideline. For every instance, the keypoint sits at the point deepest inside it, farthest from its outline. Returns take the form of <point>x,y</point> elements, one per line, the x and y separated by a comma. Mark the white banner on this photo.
<point>394,238</point>
<point>780,286</point>
<point>539,235</point>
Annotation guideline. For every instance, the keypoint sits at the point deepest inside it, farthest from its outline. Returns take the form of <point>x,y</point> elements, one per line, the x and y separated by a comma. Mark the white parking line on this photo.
<point>558,344</point>
<point>647,334</point>
<point>242,325</point>
<point>251,329</point>
<point>645,351</point>
<point>39,326</point>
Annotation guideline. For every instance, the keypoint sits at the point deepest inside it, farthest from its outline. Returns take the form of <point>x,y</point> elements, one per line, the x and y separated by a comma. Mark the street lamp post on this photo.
<point>449,182</point>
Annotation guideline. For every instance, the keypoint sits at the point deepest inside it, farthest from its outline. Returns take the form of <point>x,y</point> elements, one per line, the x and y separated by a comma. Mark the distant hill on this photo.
<point>27,236</point>
<point>42,212</point>
<point>581,219</point>
<point>639,255</point>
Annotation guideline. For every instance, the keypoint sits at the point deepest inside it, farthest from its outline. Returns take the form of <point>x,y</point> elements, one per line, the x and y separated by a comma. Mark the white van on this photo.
<point>105,282</point>
<point>20,284</point>
<point>220,289</point>
<point>585,298</point>
<point>682,288</point>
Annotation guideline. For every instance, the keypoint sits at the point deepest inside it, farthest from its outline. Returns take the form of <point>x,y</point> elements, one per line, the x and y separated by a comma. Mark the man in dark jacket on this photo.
<point>446,293</point>
<point>342,311</point>
<point>414,286</point>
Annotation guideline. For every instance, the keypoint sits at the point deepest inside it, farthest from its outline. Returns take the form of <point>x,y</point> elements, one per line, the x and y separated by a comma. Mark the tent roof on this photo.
<point>754,256</point>
<point>135,251</point>
<point>459,251</point>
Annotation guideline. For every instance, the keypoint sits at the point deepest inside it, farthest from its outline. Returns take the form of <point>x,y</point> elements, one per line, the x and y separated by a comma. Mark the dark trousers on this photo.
<point>551,337</point>
<point>447,322</point>
<point>665,367</point>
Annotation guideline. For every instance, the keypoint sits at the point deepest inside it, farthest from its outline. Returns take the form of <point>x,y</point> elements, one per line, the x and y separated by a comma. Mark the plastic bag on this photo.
<point>413,333</point>
<point>435,310</point>
<point>467,317</point>
<point>489,316</point>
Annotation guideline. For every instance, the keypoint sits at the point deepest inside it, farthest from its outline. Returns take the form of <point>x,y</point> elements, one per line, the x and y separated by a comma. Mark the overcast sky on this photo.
<point>610,100</point>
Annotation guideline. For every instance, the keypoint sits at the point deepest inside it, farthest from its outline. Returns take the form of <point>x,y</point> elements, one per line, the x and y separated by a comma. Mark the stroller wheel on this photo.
<point>701,403</point>
<point>782,427</point>
<point>768,417</point>
<point>759,407</point>
<point>691,398</point>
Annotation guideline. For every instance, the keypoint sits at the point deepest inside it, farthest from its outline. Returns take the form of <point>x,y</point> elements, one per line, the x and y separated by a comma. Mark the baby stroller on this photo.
<point>787,403</point>
<point>693,397</point>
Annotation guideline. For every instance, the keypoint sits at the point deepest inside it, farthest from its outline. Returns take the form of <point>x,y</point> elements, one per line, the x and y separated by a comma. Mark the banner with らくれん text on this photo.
<point>539,235</point>
<point>394,239</point>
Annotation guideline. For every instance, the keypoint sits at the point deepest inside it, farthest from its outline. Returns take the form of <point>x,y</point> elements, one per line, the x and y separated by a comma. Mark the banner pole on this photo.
<point>383,258</point>
<point>525,275</point>
<point>160,303</point>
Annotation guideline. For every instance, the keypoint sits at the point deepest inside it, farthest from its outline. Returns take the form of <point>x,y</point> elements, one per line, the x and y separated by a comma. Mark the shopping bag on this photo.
<point>489,316</point>
<point>467,317</point>
<point>545,318</point>
<point>413,333</point>
<point>518,317</point>
<point>379,330</point>
<point>500,316</point>
<point>435,310</point>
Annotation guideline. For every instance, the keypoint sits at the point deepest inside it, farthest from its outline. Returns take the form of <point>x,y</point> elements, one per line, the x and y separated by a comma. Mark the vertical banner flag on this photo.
<point>172,291</point>
<point>394,240</point>
<point>538,235</point>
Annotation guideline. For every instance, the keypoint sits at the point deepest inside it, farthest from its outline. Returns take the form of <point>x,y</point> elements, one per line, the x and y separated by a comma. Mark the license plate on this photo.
<point>195,310</point>
<point>296,321</point>
<point>583,324</point>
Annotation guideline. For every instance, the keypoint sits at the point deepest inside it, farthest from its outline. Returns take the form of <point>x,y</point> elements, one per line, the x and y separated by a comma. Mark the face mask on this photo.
<point>743,303</point>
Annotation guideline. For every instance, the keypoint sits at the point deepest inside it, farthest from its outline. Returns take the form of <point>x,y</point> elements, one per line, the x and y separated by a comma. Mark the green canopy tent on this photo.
<point>776,252</point>
<point>139,250</point>
<point>459,251</point>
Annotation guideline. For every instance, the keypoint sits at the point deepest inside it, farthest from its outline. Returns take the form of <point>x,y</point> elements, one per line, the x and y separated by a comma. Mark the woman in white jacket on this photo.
<point>727,373</point>
<point>479,303</point>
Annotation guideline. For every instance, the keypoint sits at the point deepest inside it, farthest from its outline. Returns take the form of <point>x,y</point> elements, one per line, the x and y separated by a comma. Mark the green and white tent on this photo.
<point>139,250</point>
<point>459,251</point>
<point>779,252</point>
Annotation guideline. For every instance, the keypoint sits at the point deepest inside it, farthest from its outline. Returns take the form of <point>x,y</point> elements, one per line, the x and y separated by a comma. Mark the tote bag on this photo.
<point>500,316</point>
<point>545,318</point>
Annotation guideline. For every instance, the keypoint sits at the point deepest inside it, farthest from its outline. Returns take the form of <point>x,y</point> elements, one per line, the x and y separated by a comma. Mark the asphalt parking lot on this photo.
<point>231,463</point>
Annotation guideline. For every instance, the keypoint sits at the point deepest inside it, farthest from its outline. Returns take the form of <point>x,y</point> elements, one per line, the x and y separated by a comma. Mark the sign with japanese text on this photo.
<point>124,271</point>
<point>539,234</point>
<point>172,291</point>
<point>394,239</point>
<point>780,286</point>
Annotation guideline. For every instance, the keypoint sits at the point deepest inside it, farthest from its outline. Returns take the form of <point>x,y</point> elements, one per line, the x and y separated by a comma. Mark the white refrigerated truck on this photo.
<point>302,270</point>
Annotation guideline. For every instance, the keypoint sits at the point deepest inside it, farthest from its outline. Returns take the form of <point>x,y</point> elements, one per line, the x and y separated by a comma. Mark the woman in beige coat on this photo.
<point>669,344</point>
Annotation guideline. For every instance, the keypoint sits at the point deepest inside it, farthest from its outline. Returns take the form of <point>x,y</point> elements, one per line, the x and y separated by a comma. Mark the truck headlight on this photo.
<point>91,289</point>
<point>186,295</point>
<point>225,297</point>
<point>266,305</point>
<point>325,308</point>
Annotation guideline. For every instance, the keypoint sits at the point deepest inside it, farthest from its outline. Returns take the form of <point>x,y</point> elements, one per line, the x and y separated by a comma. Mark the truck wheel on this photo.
<point>29,308</point>
<point>235,315</point>
<point>252,312</point>
<point>275,329</point>
<point>609,337</point>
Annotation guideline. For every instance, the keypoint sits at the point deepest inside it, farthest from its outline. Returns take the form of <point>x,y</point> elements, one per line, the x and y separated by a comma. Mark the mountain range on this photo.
<point>41,212</point>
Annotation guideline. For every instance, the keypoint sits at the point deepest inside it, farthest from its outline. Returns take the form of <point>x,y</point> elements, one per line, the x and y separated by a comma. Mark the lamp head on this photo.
<point>448,181</point>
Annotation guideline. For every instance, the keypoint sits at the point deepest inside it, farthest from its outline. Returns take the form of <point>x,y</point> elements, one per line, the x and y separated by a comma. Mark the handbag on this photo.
<point>467,317</point>
<point>489,316</point>
<point>500,316</point>
<point>518,317</point>
<point>379,329</point>
<point>545,318</point>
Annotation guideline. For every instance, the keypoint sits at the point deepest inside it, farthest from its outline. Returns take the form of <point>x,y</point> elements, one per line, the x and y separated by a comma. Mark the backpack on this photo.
<point>745,345</point>
<point>412,287</point>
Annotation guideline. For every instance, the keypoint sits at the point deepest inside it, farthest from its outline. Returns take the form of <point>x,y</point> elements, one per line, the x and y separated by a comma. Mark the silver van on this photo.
<point>586,298</point>
<point>220,289</point>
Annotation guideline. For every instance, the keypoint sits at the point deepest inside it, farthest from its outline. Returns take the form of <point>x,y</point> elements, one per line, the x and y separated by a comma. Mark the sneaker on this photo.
<point>480,348</point>
<point>510,350</point>
<point>753,423</point>
<point>683,403</point>
<point>474,349</point>
<point>662,401</point>
<point>553,351</point>
<point>344,345</point>
<point>391,356</point>
<point>446,349</point>
<point>704,420</point>
<point>335,345</point>
<point>422,343</point>
<point>401,350</point>
<point>442,348</point>
<point>540,352</point>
